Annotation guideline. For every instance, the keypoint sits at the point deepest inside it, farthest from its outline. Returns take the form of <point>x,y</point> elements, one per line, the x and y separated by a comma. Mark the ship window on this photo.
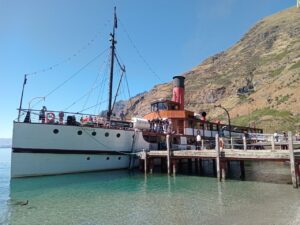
<point>107,158</point>
<point>106,134</point>
<point>214,127</point>
<point>79,132</point>
<point>94,133</point>
<point>55,131</point>
<point>88,158</point>
<point>119,158</point>
<point>162,106</point>
<point>118,135</point>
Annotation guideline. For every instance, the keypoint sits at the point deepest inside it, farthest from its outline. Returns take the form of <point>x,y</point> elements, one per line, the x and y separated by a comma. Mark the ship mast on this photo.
<point>113,42</point>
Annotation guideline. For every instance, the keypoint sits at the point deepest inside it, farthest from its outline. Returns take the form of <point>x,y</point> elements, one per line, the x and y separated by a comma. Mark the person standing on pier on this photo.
<point>198,141</point>
<point>276,136</point>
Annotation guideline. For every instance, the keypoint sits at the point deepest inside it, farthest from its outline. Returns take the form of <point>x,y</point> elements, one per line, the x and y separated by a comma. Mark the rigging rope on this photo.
<point>73,75</point>
<point>95,82</point>
<point>75,54</point>
<point>138,52</point>
<point>92,106</point>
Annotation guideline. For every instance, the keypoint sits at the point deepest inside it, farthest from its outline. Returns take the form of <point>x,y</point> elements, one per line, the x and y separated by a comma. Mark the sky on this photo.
<point>63,46</point>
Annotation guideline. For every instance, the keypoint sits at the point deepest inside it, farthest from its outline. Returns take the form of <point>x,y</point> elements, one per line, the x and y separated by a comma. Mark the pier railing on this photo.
<point>70,118</point>
<point>223,150</point>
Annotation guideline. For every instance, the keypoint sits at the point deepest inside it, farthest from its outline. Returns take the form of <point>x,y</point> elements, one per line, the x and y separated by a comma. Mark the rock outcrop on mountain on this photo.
<point>257,79</point>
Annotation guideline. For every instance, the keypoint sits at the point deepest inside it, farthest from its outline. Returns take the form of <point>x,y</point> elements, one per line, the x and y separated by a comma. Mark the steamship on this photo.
<point>57,147</point>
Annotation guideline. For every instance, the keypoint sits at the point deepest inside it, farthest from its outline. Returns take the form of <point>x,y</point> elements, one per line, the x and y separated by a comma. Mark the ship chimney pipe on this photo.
<point>178,91</point>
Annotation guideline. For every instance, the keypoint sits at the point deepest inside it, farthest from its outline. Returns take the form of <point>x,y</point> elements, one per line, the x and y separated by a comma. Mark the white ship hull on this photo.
<point>44,149</point>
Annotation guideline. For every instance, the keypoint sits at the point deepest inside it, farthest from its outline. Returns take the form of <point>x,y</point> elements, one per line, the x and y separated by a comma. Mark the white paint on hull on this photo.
<point>37,164</point>
<point>41,137</point>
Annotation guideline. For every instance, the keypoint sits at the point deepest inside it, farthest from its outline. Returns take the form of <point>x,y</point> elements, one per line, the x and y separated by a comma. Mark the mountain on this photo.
<point>256,80</point>
<point>5,142</point>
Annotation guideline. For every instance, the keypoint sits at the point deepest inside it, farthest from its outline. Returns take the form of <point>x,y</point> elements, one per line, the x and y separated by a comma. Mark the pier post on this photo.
<point>174,166</point>
<point>179,165</point>
<point>272,143</point>
<point>197,166</point>
<point>298,173</point>
<point>145,163</point>
<point>218,157</point>
<point>168,154</point>
<point>292,160</point>
<point>223,170</point>
<point>200,167</point>
<point>202,144</point>
<point>214,162</point>
<point>151,165</point>
<point>244,143</point>
<point>231,143</point>
<point>242,169</point>
<point>190,166</point>
<point>228,165</point>
<point>162,163</point>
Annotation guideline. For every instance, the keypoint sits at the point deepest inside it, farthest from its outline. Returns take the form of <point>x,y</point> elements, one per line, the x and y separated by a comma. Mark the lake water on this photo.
<point>120,197</point>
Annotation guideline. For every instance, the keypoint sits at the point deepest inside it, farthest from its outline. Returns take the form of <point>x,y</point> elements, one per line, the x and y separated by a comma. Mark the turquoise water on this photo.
<point>122,198</point>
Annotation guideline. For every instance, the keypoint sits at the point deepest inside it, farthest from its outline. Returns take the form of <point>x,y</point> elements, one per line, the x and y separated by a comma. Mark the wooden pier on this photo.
<point>222,157</point>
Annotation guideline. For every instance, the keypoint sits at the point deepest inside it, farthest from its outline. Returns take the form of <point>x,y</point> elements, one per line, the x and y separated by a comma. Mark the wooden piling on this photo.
<point>218,157</point>
<point>168,154</point>
<point>228,165</point>
<point>145,163</point>
<point>242,169</point>
<point>190,166</point>
<point>197,166</point>
<point>231,143</point>
<point>292,160</point>
<point>179,165</point>
<point>298,173</point>
<point>214,163</point>
<point>200,167</point>
<point>223,170</point>
<point>174,166</point>
<point>151,164</point>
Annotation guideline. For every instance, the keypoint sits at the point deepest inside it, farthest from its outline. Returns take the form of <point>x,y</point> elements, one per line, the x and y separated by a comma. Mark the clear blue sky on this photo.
<point>172,37</point>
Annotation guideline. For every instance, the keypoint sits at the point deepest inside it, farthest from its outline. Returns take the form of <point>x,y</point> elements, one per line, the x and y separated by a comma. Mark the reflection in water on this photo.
<point>120,197</point>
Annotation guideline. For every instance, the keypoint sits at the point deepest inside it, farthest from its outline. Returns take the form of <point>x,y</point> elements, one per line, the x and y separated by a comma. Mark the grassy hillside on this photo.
<point>266,61</point>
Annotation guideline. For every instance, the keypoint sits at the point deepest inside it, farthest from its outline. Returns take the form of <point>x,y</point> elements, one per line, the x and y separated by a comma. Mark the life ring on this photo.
<point>50,117</point>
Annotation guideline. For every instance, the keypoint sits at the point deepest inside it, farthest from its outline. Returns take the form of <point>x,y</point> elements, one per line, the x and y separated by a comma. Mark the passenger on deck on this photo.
<point>61,117</point>
<point>221,143</point>
<point>27,117</point>
<point>122,115</point>
<point>42,115</point>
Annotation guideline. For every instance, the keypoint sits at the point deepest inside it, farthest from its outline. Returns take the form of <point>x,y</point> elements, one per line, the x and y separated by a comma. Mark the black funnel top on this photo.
<point>178,81</point>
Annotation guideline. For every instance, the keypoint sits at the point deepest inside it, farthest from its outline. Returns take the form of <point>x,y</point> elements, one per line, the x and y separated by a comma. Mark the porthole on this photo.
<point>79,132</point>
<point>55,131</point>
<point>118,135</point>
<point>94,133</point>
<point>88,158</point>
<point>119,158</point>
<point>106,134</point>
<point>107,158</point>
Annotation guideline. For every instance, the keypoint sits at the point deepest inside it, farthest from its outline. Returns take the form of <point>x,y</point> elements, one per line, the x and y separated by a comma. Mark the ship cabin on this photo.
<point>183,124</point>
<point>169,110</point>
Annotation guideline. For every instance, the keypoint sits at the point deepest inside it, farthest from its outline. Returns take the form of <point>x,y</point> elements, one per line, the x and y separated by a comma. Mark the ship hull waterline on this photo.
<point>45,149</point>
